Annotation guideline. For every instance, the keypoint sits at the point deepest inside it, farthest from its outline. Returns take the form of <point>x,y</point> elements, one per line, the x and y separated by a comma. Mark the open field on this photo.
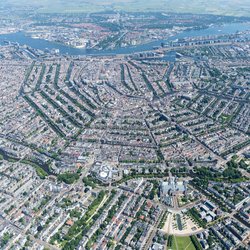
<point>182,243</point>
<point>219,7</point>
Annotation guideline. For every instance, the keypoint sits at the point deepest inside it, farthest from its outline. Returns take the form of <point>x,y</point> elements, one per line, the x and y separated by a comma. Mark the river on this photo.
<point>19,37</point>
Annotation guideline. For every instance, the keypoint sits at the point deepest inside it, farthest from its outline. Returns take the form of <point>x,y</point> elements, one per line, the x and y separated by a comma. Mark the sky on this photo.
<point>222,7</point>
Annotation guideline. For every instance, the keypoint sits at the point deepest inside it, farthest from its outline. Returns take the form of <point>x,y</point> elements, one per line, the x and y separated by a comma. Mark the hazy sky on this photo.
<point>226,7</point>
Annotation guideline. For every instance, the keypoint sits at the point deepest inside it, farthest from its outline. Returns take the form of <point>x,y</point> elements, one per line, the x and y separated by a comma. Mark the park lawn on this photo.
<point>225,118</point>
<point>182,243</point>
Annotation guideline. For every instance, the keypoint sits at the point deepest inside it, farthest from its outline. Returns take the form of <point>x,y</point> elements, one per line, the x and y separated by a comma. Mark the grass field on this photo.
<point>220,7</point>
<point>182,243</point>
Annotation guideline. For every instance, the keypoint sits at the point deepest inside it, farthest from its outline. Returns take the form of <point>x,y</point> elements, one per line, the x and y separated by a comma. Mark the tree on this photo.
<point>68,178</point>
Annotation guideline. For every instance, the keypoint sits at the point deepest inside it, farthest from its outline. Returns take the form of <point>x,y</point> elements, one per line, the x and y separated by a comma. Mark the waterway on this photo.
<point>41,44</point>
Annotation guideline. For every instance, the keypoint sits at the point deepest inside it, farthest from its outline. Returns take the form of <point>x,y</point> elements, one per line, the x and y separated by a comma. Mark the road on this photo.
<point>203,145</point>
<point>152,232</point>
<point>121,211</point>
<point>25,234</point>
